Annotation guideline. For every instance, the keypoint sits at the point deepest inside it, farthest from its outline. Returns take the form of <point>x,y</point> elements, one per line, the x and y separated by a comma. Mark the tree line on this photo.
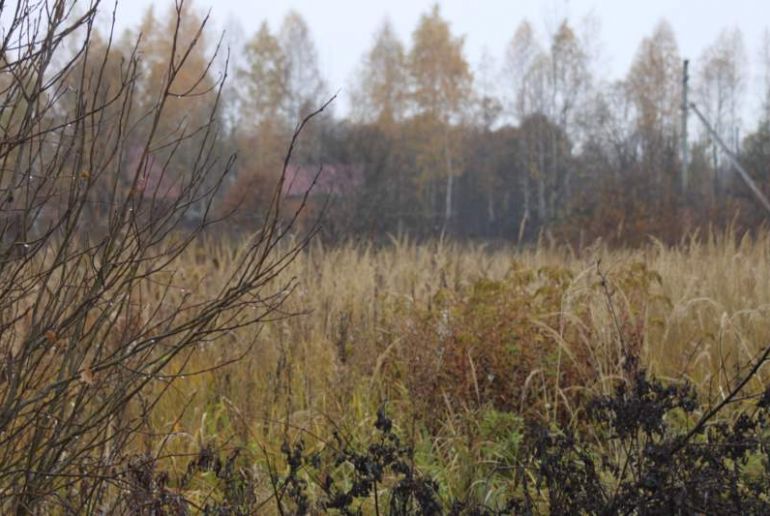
<point>540,143</point>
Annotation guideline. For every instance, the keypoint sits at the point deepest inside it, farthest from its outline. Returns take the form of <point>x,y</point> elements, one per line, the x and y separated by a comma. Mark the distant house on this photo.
<point>339,180</point>
<point>334,184</point>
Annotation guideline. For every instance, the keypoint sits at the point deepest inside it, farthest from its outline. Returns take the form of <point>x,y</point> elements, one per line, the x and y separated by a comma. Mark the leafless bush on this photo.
<point>93,213</point>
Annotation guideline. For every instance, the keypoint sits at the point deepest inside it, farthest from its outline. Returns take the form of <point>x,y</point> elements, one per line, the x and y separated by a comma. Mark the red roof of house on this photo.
<point>337,179</point>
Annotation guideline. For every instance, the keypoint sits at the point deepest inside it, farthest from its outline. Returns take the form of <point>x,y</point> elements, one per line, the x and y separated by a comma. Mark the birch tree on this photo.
<point>441,81</point>
<point>721,82</point>
<point>381,93</point>
<point>262,124</point>
<point>654,86</point>
<point>302,80</point>
<point>524,70</point>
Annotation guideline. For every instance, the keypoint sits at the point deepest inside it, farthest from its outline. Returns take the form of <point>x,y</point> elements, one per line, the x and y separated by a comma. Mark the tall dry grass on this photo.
<point>698,309</point>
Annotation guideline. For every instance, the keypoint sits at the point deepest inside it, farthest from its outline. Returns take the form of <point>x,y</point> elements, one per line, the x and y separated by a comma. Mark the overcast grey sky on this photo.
<point>343,29</point>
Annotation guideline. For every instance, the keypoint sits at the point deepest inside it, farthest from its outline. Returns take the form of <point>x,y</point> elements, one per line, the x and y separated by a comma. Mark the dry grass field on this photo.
<point>461,344</point>
<point>201,311</point>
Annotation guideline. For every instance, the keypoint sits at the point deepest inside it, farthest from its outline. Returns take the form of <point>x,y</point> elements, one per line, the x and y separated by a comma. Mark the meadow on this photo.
<point>186,329</point>
<point>461,346</point>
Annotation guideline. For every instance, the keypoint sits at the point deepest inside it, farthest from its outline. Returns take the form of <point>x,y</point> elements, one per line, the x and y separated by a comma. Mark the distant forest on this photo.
<point>538,145</point>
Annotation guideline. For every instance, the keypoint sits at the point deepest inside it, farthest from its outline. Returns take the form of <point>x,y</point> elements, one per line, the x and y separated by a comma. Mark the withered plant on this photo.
<point>95,209</point>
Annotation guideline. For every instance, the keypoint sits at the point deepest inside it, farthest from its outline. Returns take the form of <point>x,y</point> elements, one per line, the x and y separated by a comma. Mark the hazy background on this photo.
<point>344,29</point>
<point>479,120</point>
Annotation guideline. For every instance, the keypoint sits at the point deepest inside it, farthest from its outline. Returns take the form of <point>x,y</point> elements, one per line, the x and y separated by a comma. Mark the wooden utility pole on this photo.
<point>733,159</point>
<point>685,144</point>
